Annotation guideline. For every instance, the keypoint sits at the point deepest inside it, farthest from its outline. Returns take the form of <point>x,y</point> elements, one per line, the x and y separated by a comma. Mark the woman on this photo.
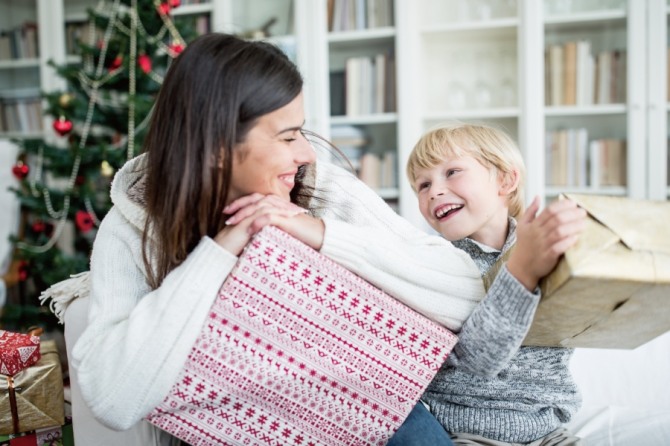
<point>226,156</point>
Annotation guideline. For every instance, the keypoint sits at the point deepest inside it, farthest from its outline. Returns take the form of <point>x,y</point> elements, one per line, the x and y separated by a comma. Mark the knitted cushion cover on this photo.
<point>297,350</point>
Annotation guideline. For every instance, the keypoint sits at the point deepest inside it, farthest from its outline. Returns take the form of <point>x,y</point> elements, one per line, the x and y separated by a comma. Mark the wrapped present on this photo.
<point>612,289</point>
<point>17,351</point>
<point>299,350</point>
<point>50,436</point>
<point>33,398</point>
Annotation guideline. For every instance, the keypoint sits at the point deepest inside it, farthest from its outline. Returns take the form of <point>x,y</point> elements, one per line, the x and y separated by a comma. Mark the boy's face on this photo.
<point>460,197</point>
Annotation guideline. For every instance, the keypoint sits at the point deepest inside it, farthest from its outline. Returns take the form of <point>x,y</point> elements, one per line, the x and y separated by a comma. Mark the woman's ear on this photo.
<point>509,182</point>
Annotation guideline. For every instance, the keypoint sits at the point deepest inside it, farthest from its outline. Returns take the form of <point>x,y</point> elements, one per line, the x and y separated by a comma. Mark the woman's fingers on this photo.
<point>246,206</point>
<point>305,228</point>
<point>238,204</point>
<point>234,237</point>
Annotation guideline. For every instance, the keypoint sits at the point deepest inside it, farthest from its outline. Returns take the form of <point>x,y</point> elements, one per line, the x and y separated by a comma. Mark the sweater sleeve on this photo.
<point>497,327</point>
<point>425,272</point>
<point>137,340</point>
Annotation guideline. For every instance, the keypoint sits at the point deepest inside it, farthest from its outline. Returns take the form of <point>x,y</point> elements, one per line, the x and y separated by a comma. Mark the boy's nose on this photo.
<point>435,195</point>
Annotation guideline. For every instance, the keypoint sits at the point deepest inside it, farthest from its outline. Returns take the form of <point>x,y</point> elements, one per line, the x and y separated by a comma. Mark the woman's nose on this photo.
<point>305,153</point>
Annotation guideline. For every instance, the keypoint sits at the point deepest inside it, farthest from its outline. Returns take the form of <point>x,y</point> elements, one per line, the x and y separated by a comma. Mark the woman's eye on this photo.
<point>290,139</point>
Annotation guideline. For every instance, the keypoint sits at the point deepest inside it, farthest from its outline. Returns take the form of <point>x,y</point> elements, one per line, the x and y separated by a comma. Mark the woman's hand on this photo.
<point>542,239</point>
<point>253,212</point>
<point>245,206</point>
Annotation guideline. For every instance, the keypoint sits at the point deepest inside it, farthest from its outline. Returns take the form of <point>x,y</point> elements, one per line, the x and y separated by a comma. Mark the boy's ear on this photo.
<point>509,182</point>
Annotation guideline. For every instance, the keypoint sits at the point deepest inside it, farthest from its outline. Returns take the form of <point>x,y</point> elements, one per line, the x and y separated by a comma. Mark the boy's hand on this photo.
<point>542,239</point>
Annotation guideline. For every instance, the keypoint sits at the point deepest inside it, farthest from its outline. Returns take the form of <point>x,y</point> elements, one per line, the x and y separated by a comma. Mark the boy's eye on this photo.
<point>450,172</point>
<point>422,186</point>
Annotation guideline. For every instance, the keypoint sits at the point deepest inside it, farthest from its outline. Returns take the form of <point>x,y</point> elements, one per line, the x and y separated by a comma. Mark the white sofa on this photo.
<point>626,395</point>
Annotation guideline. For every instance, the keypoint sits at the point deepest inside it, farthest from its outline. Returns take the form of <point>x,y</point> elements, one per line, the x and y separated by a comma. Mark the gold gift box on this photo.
<point>38,394</point>
<point>612,289</point>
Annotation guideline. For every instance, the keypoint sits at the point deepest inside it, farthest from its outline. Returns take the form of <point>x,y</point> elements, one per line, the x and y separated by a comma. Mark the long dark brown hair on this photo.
<point>211,97</point>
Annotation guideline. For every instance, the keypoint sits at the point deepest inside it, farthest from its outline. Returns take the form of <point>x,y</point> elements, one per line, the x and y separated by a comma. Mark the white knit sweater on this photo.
<point>137,339</point>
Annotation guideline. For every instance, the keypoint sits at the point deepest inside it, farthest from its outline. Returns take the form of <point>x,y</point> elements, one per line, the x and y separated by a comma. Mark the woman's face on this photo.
<point>268,160</point>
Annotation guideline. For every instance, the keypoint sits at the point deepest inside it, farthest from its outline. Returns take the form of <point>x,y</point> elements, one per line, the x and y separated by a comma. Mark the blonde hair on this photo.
<point>487,144</point>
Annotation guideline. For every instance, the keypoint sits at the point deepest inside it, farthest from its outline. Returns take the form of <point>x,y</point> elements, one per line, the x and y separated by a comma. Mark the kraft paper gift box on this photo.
<point>298,350</point>
<point>611,290</point>
<point>33,398</point>
<point>17,351</point>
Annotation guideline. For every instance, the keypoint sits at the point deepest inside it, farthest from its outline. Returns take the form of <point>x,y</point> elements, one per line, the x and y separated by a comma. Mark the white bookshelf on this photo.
<point>439,44</point>
<point>440,34</point>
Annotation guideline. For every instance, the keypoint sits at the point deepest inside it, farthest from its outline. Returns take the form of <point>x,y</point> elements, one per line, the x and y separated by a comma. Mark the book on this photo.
<point>370,172</point>
<point>556,71</point>
<point>570,73</point>
<point>604,78</point>
<point>337,93</point>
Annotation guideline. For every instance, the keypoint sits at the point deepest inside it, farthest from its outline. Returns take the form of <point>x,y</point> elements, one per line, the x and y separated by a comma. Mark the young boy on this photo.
<point>491,391</point>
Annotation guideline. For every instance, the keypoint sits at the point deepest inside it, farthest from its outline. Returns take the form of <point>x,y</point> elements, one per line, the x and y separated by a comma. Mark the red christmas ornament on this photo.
<point>176,48</point>
<point>164,8</point>
<point>20,170</point>
<point>116,63</point>
<point>175,3</point>
<point>144,62</point>
<point>39,226</point>
<point>23,270</point>
<point>84,221</point>
<point>62,126</point>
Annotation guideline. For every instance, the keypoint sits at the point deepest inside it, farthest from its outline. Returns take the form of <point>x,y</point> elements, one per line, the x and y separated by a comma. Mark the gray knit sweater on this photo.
<point>490,386</point>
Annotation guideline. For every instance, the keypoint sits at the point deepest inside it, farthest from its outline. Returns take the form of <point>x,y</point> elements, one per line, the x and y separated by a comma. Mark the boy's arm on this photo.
<point>494,332</point>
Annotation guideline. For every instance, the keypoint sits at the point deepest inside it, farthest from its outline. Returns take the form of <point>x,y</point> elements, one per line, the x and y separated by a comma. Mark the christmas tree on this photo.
<point>99,123</point>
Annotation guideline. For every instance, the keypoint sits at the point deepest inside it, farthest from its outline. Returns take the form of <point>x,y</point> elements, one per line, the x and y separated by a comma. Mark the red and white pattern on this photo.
<point>18,351</point>
<point>298,350</point>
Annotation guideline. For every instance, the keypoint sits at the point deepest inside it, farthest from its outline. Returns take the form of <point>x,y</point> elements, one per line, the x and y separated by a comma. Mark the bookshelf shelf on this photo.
<point>614,190</point>
<point>19,63</point>
<point>14,135</point>
<point>363,35</point>
<point>585,19</point>
<point>481,114</point>
<point>584,110</point>
<point>381,118</point>
<point>472,26</point>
